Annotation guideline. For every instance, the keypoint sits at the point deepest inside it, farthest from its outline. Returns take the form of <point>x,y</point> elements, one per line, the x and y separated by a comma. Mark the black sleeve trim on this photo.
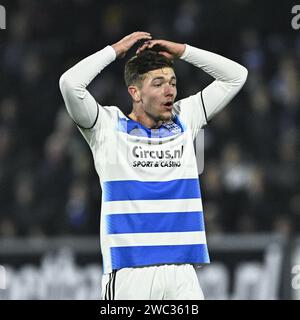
<point>203,107</point>
<point>114,284</point>
<point>81,127</point>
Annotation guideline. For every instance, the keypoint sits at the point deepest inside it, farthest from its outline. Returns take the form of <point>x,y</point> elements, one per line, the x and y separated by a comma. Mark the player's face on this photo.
<point>158,93</point>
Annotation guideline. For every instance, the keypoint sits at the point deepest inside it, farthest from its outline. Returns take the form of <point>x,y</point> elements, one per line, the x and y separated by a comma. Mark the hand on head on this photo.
<point>169,49</point>
<point>121,47</point>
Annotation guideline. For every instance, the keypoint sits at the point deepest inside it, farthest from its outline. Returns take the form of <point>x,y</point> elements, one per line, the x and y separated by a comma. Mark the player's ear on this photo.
<point>135,93</point>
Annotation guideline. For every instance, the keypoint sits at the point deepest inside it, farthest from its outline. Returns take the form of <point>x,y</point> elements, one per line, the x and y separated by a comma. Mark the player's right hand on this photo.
<point>122,46</point>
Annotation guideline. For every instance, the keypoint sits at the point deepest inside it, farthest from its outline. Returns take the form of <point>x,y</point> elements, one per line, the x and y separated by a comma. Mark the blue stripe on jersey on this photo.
<point>151,190</point>
<point>123,257</point>
<point>155,222</point>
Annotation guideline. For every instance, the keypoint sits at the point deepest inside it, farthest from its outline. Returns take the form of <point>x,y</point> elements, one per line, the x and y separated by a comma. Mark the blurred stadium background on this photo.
<point>50,194</point>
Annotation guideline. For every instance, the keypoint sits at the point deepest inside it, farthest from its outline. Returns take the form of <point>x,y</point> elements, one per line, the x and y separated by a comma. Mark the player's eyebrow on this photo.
<point>162,78</point>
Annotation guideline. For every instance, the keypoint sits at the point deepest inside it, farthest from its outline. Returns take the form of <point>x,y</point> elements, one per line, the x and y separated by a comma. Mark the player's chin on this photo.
<point>166,115</point>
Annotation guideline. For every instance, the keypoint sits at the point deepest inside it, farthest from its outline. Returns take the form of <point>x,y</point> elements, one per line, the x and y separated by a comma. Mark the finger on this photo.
<point>141,34</point>
<point>141,41</point>
<point>152,43</point>
<point>137,35</point>
<point>144,37</point>
<point>166,54</point>
<point>144,46</point>
<point>138,39</point>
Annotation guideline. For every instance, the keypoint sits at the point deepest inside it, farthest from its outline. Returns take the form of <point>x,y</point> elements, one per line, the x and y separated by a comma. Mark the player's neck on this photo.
<point>144,119</point>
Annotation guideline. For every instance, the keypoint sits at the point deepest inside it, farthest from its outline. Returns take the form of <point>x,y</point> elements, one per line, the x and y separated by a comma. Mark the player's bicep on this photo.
<point>81,105</point>
<point>217,95</point>
<point>84,112</point>
<point>192,111</point>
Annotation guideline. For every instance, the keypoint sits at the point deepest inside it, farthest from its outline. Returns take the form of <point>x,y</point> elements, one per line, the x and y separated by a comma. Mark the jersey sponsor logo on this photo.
<point>139,152</point>
<point>157,158</point>
<point>155,164</point>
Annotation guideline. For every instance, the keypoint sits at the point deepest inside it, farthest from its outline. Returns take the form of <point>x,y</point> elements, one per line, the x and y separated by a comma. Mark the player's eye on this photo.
<point>157,84</point>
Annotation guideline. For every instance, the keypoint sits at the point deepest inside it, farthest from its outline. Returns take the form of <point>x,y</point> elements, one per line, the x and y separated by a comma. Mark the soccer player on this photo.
<point>152,225</point>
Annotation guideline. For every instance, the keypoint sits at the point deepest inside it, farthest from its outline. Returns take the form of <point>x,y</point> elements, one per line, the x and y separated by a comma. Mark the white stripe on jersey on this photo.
<point>152,206</point>
<point>156,239</point>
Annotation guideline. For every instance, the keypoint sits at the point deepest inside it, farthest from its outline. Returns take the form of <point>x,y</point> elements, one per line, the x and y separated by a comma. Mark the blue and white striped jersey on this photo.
<point>151,200</point>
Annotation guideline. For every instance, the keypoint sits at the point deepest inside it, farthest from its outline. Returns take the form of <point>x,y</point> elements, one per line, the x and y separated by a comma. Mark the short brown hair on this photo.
<point>146,61</point>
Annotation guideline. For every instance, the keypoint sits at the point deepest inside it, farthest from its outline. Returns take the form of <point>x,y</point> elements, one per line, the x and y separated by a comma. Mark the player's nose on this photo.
<point>169,91</point>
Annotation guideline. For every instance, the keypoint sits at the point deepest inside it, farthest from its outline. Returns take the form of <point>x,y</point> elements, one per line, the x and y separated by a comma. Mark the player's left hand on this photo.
<point>169,49</point>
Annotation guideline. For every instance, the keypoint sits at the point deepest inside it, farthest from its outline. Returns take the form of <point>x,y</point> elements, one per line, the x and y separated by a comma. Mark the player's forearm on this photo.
<point>217,66</point>
<point>79,76</point>
<point>81,106</point>
<point>229,78</point>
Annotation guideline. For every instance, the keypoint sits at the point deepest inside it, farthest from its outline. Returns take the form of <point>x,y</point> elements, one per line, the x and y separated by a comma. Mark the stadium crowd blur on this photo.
<point>48,182</point>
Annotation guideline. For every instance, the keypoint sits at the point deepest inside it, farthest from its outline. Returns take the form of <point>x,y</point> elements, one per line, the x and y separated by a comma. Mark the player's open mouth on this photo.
<point>168,105</point>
